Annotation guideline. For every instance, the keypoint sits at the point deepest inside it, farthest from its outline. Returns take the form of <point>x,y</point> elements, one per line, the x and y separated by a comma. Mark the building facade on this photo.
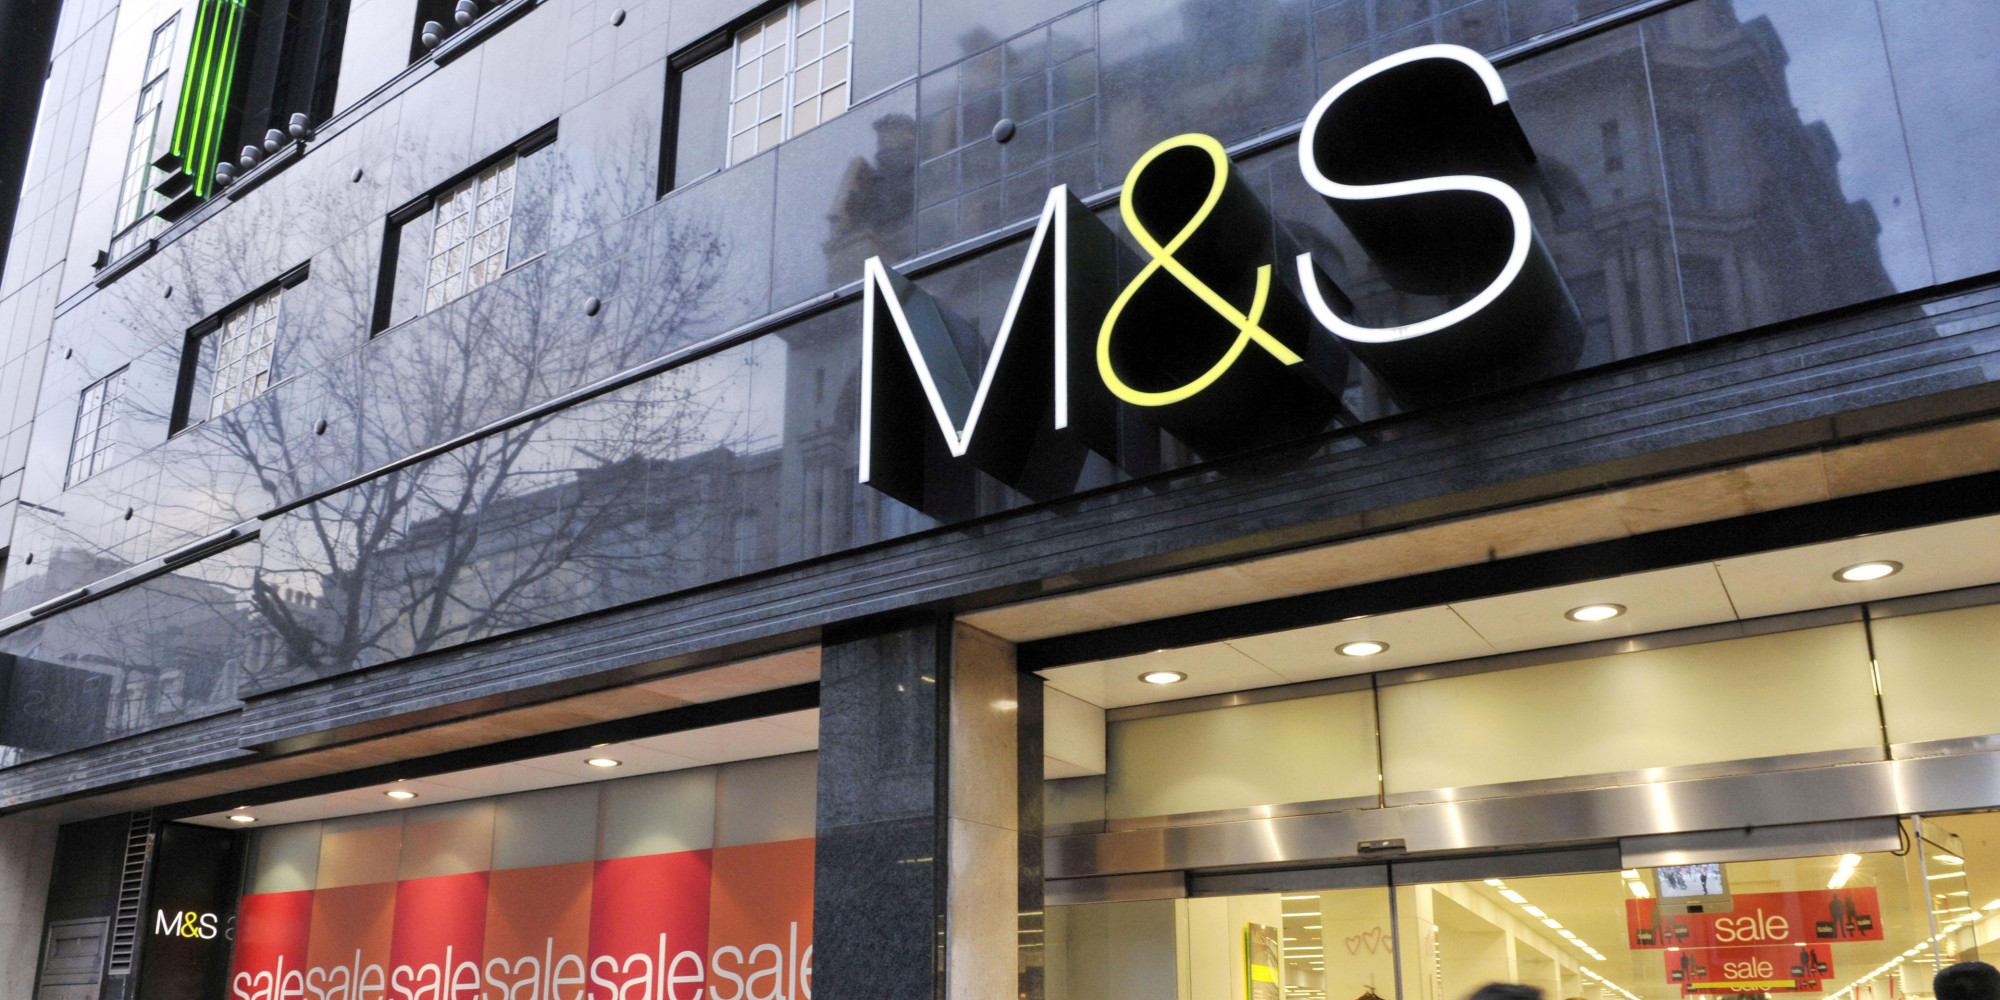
<point>723,500</point>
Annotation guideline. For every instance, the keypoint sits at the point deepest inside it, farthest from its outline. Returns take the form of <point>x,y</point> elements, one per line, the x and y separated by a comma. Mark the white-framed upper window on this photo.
<point>791,73</point>
<point>469,233</point>
<point>136,200</point>
<point>239,353</point>
<point>93,446</point>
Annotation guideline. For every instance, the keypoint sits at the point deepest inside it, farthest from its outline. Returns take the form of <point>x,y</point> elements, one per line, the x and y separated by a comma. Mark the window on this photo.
<point>91,449</point>
<point>469,234</point>
<point>1614,147</point>
<point>239,353</point>
<point>136,200</point>
<point>791,74</point>
<point>466,234</point>
<point>229,357</point>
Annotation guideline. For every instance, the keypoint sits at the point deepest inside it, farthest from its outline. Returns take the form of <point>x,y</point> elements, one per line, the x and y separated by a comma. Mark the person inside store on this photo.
<point>1967,981</point>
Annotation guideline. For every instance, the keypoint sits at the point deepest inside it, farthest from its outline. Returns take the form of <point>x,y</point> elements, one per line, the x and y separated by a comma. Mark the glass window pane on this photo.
<point>836,29</point>
<point>806,115</point>
<point>806,83</point>
<point>700,144</point>
<point>774,65</point>
<point>808,48</point>
<point>769,133</point>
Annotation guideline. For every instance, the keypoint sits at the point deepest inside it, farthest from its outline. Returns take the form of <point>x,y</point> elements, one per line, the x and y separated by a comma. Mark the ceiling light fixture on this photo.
<point>1639,890</point>
<point>1361,647</point>
<point>1947,859</point>
<point>1844,872</point>
<point>1163,677</point>
<point>1594,612</point>
<point>1863,572</point>
<point>242,818</point>
<point>603,762</point>
<point>397,793</point>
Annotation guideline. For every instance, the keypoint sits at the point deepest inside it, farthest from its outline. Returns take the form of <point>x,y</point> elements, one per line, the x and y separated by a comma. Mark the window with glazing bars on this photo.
<point>469,233</point>
<point>92,447</point>
<point>791,73</point>
<point>136,200</point>
<point>239,353</point>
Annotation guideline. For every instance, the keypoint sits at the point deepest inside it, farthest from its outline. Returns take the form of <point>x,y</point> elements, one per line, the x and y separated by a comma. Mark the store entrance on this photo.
<point>1844,926</point>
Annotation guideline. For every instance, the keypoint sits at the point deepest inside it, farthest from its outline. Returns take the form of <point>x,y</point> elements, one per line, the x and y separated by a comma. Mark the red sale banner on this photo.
<point>760,927</point>
<point>349,954</point>
<point>1773,969</point>
<point>1760,918</point>
<point>537,932</point>
<point>439,937</point>
<point>649,927</point>
<point>271,932</point>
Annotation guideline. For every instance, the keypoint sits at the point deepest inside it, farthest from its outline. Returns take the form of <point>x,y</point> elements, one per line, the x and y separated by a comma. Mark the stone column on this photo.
<point>928,863</point>
<point>27,855</point>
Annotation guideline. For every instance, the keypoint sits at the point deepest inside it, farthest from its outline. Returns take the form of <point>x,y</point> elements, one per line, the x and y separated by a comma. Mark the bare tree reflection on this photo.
<point>619,497</point>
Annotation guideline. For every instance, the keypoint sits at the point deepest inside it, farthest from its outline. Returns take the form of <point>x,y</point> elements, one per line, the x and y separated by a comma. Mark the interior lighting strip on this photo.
<point>1541,916</point>
<point>1913,951</point>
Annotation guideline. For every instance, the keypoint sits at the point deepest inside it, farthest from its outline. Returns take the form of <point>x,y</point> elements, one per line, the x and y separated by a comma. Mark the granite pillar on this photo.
<point>928,860</point>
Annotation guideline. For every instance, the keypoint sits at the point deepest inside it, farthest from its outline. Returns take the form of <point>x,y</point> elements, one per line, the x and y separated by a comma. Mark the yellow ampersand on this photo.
<point>189,924</point>
<point>1248,326</point>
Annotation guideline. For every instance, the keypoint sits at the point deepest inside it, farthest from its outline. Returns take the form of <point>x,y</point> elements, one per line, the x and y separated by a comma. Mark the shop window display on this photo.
<point>677,886</point>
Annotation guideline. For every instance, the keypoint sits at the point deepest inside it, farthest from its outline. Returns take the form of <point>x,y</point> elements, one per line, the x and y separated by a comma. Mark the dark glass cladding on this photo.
<point>1707,168</point>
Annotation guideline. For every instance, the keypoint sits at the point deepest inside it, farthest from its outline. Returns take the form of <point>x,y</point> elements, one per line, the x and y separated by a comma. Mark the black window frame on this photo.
<point>197,338</point>
<point>712,45</point>
<point>382,320</point>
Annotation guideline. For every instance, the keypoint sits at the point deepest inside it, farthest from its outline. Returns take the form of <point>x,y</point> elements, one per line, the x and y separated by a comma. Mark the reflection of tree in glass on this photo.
<point>468,543</point>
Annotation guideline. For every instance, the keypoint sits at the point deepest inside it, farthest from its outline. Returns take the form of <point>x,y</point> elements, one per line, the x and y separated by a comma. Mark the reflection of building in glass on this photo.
<point>167,651</point>
<point>1762,229</point>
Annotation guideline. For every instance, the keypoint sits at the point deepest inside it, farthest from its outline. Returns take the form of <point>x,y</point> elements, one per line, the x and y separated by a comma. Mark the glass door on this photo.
<point>1869,926</point>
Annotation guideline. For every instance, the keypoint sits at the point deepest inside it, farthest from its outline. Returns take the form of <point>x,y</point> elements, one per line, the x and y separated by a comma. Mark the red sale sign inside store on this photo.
<point>1760,918</point>
<point>1772,969</point>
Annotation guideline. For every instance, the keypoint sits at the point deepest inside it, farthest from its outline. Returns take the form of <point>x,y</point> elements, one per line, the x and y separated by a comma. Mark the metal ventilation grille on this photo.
<point>131,890</point>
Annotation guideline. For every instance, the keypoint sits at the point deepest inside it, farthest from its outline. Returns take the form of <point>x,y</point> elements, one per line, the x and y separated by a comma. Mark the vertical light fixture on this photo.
<point>205,89</point>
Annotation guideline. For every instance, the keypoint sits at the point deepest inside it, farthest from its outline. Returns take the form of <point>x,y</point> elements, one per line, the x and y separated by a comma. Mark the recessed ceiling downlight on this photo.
<point>242,818</point>
<point>603,762</point>
<point>1361,647</point>
<point>1865,571</point>
<point>1594,612</point>
<point>400,794</point>
<point>1163,677</point>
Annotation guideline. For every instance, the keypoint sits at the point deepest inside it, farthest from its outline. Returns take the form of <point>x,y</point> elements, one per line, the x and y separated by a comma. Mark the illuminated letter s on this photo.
<point>1406,151</point>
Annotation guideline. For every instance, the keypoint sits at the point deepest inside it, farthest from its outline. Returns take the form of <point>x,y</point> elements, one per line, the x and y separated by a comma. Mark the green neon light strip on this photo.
<point>218,95</point>
<point>191,86</point>
<point>187,122</point>
<point>205,91</point>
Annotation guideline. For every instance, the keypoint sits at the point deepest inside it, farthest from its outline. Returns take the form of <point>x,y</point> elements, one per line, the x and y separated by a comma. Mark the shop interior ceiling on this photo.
<point>770,736</point>
<point>1938,557</point>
